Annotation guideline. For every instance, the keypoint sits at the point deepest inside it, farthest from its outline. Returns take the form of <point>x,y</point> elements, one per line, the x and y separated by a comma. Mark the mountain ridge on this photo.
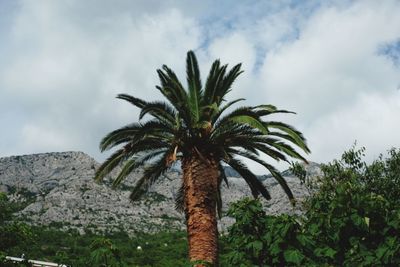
<point>59,189</point>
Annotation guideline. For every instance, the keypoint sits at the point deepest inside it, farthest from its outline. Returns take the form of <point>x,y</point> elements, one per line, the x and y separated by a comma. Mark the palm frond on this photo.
<point>275,173</point>
<point>134,163</point>
<point>300,141</point>
<point>148,144</point>
<point>225,107</point>
<point>223,175</point>
<point>227,82</point>
<point>134,133</point>
<point>287,149</point>
<point>211,81</point>
<point>214,83</point>
<point>275,154</point>
<point>194,86</point>
<point>128,167</point>
<point>160,110</point>
<point>282,182</point>
<point>109,164</point>
<point>264,110</point>
<point>154,126</point>
<point>290,138</point>
<point>174,92</point>
<point>150,175</point>
<point>124,133</point>
<point>133,100</point>
<point>234,134</point>
<point>251,121</point>
<point>172,87</point>
<point>219,202</point>
<point>180,199</point>
<point>244,115</point>
<point>255,185</point>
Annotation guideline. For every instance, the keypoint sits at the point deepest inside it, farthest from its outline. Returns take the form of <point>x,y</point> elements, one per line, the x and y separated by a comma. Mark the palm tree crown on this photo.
<point>196,120</point>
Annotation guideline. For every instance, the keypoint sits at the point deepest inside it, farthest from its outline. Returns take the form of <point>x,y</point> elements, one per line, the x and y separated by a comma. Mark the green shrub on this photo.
<point>352,219</point>
<point>258,239</point>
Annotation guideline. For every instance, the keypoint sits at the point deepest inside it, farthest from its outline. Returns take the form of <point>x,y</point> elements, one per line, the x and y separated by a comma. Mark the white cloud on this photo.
<point>373,121</point>
<point>66,60</point>
<point>332,68</point>
<point>38,139</point>
<point>334,59</point>
<point>233,49</point>
<point>64,77</point>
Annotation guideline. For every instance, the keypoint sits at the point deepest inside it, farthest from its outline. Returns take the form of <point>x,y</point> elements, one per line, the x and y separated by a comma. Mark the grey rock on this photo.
<point>59,188</point>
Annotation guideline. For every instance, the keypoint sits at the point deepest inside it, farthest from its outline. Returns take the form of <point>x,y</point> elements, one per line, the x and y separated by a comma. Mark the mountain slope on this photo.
<point>59,190</point>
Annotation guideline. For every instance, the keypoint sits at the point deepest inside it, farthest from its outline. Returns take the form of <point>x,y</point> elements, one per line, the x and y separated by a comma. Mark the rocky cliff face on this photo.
<point>59,189</point>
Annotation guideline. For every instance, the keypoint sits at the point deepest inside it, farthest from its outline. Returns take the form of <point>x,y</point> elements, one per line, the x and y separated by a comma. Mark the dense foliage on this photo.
<point>351,219</point>
<point>89,249</point>
<point>71,248</point>
<point>12,232</point>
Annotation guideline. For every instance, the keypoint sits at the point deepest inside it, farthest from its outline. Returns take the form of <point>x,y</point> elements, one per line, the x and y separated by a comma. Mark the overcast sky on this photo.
<point>336,63</point>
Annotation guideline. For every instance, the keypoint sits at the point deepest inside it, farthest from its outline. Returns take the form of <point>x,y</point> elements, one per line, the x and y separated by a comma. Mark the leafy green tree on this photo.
<point>355,214</point>
<point>104,253</point>
<point>351,219</point>
<point>12,232</point>
<point>5,208</point>
<point>195,127</point>
<point>382,177</point>
<point>256,239</point>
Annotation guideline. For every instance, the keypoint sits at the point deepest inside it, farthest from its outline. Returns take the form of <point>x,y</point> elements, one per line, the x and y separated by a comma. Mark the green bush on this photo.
<point>12,232</point>
<point>258,239</point>
<point>352,219</point>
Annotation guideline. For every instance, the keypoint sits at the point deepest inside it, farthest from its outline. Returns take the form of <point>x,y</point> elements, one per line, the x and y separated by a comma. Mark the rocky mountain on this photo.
<point>59,190</point>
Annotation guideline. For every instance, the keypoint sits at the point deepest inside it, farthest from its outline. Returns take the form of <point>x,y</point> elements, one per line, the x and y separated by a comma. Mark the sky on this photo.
<point>335,63</point>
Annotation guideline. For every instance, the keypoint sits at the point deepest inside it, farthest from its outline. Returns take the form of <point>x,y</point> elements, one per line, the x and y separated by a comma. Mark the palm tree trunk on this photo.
<point>200,178</point>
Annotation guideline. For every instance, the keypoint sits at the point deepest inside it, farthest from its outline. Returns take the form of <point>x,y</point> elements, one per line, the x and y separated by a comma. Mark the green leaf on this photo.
<point>366,220</point>
<point>251,122</point>
<point>381,251</point>
<point>293,256</point>
<point>257,246</point>
<point>305,240</point>
<point>267,107</point>
<point>325,252</point>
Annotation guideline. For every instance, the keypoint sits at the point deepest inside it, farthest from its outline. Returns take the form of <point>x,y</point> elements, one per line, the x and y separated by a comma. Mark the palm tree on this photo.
<point>195,128</point>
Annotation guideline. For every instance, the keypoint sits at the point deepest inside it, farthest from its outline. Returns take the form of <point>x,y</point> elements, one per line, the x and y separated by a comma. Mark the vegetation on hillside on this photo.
<point>117,249</point>
<point>351,219</point>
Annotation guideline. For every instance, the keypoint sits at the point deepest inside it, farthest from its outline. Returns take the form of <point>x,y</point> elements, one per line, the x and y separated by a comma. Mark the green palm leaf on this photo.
<point>255,185</point>
<point>275,173</point>
<point>133,100</point>
<point>228,105</point>
<point>297,136</point>
<point>194,86</point>
<point>109,164</point>
<point>151,174</point>
<point>159,110</point>
<point>251,121</point>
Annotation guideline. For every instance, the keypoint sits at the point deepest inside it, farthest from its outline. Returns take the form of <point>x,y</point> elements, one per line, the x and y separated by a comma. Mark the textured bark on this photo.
<point>200,178</point>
